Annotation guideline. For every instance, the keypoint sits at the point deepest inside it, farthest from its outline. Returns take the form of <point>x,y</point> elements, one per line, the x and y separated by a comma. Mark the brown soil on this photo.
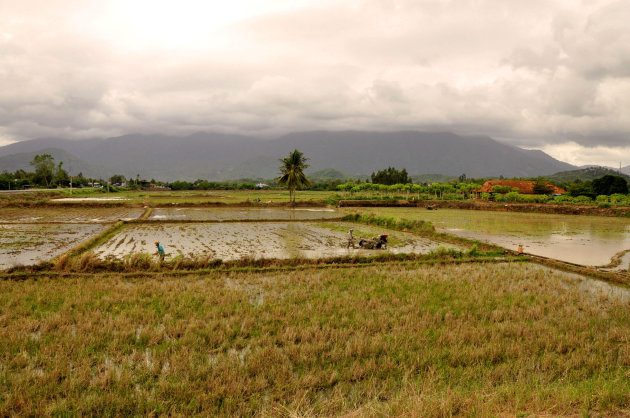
<point>623,211</point>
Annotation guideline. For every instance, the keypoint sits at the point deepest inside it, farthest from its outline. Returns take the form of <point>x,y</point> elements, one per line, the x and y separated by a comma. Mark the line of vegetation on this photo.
<point>83,260</point>
<point>391,222</point>
<point>81,257</point>
<point>46,269</point>
<point>224,221</point>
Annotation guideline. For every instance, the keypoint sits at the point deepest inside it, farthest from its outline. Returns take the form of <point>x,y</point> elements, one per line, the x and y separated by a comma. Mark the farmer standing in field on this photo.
<point>350,239</point>
<point>160,250</point>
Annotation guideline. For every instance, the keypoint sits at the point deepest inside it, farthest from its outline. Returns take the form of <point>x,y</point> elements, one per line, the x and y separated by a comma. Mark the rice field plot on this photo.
<point>26,244</point>
<point>221,214</point>
<point>509,339</point>
<point>67,214</point>
<point>584,240</point>
<point>236,240</point>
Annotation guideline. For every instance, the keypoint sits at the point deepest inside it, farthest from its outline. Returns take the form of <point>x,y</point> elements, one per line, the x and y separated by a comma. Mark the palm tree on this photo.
<point>292,170</point>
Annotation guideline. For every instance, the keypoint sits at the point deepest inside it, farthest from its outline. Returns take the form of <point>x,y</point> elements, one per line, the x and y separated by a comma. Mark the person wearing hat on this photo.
<point>350,239</point>
<point>160,250</point>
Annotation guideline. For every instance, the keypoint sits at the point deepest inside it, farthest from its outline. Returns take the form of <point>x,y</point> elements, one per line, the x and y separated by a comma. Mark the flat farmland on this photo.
<point>27,244</point>
<point>585,240</point>
<point>474,330</point>
<point>31,235</point>
<point>256,240</point>
<point>499,339</point>
<point>224,214</point>
<point>67,214</point>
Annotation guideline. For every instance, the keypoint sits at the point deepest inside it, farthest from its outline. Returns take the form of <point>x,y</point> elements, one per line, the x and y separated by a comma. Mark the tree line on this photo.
<point>48,174</point>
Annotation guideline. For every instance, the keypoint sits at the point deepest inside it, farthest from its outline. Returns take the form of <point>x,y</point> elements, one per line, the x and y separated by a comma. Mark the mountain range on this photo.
<point>217,156</point>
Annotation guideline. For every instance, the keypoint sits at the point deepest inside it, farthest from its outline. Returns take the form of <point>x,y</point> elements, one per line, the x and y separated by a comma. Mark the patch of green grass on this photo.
<point>391,222</point>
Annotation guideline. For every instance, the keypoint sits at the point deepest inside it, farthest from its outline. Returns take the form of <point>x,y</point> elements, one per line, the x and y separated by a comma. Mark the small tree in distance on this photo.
<point>44,169</point>
<point>543,187</point>
<point>292,173</point>
<point>391,176</point>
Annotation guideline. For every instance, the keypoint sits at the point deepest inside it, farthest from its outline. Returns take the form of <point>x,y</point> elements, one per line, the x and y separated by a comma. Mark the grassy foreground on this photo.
<point>422,340</point>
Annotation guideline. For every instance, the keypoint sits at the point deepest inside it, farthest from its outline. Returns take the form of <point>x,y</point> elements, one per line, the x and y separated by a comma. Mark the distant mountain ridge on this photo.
<point>586,173</point>
<point>223,156</point>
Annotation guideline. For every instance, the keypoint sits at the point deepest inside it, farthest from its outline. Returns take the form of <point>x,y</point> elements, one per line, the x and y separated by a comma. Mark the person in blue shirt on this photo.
<point>160,250</point>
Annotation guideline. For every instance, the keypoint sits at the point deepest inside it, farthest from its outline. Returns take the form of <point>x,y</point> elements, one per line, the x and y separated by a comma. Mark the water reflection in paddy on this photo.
<point>586,240</point>
<point>224,214</point>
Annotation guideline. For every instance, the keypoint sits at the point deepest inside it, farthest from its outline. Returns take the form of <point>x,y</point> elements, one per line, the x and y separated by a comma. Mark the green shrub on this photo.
<point>390,222</point>
<point>583,200</point>
<point>563,199</point>
<point>513,197</point>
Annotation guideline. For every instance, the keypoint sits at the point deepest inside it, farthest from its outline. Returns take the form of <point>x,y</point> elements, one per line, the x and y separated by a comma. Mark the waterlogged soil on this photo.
<point>27,244</point>
<point>67,214</point>
<point>596,290</point>
<point>91,199</point>
<point>225,214</point>
<point>233,241</point>
<point>584,240</point>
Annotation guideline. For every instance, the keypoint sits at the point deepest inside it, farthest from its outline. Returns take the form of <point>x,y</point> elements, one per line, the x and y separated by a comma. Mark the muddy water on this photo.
<point>224,214</point>
<point>232,241</point>
<point>586,240</point>
<point>70,215</point>
<point>22,244</point>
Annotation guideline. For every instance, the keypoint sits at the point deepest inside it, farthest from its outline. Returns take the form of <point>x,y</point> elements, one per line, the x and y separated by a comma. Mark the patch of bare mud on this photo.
<point>233,241</point>
<point>27,244</point>
<point>224,214</point>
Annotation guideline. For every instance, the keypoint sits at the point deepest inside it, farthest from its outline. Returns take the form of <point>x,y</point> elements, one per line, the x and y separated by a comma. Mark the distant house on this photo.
<point>147,185</point>
<point>523,186</point>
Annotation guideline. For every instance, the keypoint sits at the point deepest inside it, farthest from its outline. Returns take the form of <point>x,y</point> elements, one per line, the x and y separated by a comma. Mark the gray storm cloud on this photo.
<point>534,73</point>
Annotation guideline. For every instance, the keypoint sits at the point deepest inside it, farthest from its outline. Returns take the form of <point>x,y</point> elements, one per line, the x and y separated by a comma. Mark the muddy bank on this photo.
<point>619,211</point>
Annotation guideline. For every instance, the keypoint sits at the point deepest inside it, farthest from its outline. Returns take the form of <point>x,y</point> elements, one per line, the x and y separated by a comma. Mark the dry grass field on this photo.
<point>389,339</point>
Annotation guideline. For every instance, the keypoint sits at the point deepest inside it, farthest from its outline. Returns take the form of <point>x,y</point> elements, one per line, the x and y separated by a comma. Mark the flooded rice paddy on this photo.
<point>25,244</point>
<point>226,214</point>
<point>585,240</point>
<point>235,240</point>
<point>69,215</point>
<point>31,235</point>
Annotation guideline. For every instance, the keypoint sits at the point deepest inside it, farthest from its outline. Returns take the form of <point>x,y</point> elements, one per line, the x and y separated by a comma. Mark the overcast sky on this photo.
<point>547,74</point>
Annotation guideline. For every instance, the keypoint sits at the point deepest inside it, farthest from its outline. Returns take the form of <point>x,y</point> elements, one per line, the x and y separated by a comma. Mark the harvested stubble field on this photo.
<point>390,339</point>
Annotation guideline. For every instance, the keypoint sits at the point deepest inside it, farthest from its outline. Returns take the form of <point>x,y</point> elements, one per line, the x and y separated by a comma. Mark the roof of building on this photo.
<point>524,186</point>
